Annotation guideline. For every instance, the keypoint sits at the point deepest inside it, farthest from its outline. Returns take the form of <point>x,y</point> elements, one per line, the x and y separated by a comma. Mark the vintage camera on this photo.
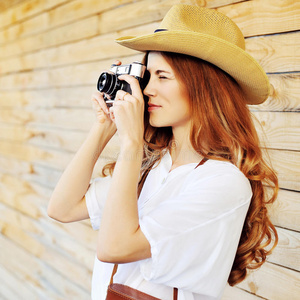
<point>109,84</point>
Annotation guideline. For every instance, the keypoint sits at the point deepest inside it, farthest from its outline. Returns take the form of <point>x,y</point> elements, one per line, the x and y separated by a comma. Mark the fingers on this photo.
<point>111,114</point>
<point>117,62</point>
<point>134,85</point>
<point>123,95</point>
<point>98,100</point>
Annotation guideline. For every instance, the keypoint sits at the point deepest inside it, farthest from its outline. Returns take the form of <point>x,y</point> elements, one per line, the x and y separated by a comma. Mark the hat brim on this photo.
<point>227,56</point>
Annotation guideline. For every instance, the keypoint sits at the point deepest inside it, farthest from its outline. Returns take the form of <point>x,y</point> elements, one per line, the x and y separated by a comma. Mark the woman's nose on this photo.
<point>148,90</point>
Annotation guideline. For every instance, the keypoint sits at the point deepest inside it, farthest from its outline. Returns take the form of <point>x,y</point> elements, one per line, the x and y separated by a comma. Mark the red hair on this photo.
<point>222,129</point>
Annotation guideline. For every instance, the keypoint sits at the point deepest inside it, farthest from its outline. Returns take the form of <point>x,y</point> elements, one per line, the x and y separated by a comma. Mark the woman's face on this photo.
<point>168,101</point>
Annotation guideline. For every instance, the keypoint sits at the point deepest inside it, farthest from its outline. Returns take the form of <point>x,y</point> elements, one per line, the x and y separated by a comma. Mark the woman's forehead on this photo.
<point>156,61</point>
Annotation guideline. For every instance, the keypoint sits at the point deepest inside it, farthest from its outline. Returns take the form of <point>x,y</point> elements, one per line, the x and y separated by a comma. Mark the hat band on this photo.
<point>158,30</point>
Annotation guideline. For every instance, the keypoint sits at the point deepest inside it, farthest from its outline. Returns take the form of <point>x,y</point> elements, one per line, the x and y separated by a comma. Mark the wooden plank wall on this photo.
<point>51,53</point>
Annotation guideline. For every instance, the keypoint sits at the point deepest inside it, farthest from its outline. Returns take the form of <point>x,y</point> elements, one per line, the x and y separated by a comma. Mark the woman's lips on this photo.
<point>152,107</point>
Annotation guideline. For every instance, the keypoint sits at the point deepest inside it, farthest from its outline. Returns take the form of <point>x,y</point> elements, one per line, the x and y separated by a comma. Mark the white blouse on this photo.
<point>192,218</point>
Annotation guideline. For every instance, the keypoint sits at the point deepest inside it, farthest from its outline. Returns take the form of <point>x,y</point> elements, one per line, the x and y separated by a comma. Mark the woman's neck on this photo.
<point>181,149</point>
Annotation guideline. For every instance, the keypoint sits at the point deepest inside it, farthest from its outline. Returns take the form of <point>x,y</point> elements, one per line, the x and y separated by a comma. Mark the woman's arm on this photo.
<point>120,238</point>
<point>67,203</point>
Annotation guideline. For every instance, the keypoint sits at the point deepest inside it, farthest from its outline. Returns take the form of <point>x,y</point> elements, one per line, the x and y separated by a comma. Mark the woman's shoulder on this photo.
<point>220,175</point>
<point>216,168</point>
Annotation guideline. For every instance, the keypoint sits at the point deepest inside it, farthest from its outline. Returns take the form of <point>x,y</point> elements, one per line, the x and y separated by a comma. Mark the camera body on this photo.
<point>109,84</point>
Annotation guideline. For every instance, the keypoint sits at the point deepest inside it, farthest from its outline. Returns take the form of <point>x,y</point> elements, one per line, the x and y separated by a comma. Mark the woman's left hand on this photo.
<point>128,113</point>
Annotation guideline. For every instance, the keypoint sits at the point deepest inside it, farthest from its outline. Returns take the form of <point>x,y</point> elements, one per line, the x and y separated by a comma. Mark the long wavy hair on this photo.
<point>222,129</point>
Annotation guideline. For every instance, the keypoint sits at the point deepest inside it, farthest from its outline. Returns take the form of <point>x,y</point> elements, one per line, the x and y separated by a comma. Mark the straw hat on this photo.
<point>211,36</point>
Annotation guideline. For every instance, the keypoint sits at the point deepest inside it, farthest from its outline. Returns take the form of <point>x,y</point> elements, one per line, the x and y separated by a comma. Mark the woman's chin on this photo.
<point>156,123</point>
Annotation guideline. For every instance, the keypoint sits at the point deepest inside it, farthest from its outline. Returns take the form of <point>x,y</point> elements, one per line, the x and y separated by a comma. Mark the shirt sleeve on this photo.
<point>194,235</point>
<point>95,197</point>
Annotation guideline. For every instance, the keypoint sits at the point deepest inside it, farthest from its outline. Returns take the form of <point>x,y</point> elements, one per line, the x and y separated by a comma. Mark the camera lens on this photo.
<point>107,83</point>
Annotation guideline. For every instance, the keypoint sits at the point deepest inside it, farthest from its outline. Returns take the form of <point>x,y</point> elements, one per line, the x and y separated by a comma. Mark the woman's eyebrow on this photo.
<point>157,72</point>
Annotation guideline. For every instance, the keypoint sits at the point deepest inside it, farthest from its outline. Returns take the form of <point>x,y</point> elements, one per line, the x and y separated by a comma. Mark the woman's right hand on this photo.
<point>103,115</point>
<point>100,108</point>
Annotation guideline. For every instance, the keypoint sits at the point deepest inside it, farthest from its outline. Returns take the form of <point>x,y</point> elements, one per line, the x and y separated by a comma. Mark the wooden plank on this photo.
<point>144,11</point>
<point>158,9</point>
<point>58,28</point>
<point>285,95</point>
<point>20,195</point>
<point>276,53</point>
<point>35,174</point>
<point>278,130</point>
<point>82,29</point>
<point>33,236</point>
<point>43,172</point>
<point>8,284</point>
<point>6,4</point>
<point>20,231</point>
<point>58,232</point>
<point>15,31</point>
<point>53,138</point>
<point>75,249</point>
<point>47,173</point>
<point>73,119</point>
<point>37,274</point>
<point>279,13</point>
<point>12,165</point>
<point>54,158</point>
<point>79,74</point>
<point>40,135</point>
<point>73,96</point>
<point>258,17</point>
<point>82,9</point>
<point>285,211</point>
<point>44,175</point>
<point>102,47</point>
<point>287,252</point>
<point>234,293</point>
<point>27,9</point>
<point>287,166</point>
<point>273,282</point>
<point>13,132</point>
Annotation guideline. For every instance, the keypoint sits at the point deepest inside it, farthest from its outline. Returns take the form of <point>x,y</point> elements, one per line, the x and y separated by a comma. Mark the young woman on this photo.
<point>184,205</point>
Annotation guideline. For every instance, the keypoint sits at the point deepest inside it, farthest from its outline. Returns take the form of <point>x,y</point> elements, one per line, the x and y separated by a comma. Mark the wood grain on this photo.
<point>278,130</point>
<point>285,95</point>
<point>273,282</point>
<point>53,286</point>
<point>287,166</point>
<point>286,210</point>
<point>287,252</point>
<point>52,53</point>
<point>259,17</point>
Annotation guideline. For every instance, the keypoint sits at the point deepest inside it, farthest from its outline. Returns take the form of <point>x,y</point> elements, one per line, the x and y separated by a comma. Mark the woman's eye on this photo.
<point>162,77</point>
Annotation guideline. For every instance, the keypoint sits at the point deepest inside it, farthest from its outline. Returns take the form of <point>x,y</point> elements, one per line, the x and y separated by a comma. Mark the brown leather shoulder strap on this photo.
<point>204,159</point>
<point>113,274</point>
<point>175,293</point>
<point>175,290</point>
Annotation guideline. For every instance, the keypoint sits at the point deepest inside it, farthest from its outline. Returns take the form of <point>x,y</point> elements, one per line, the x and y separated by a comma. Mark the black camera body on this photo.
<point>109,84</point>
